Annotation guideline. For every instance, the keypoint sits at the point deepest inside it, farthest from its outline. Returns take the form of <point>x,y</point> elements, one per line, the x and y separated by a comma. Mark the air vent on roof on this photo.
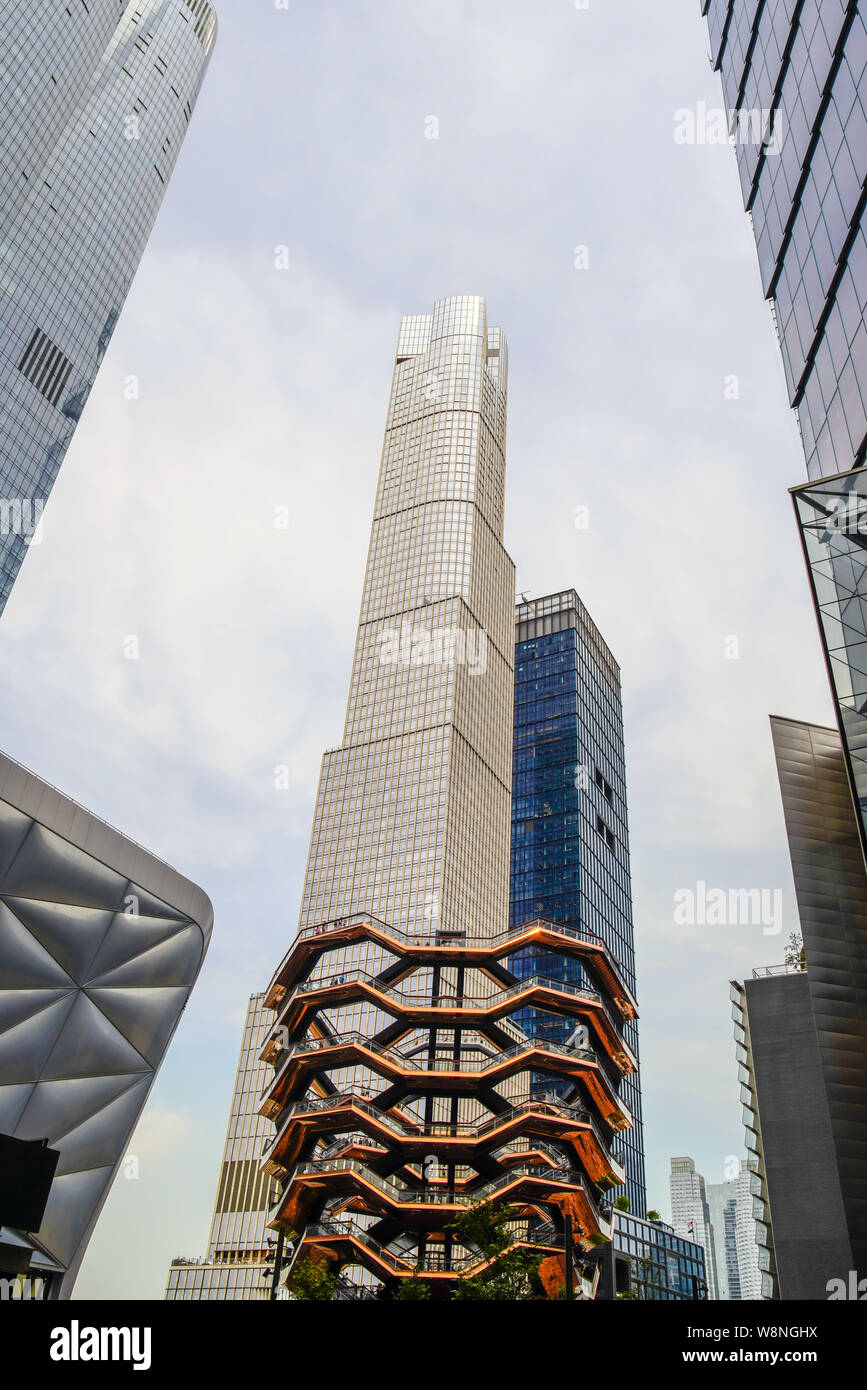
<point>46,366</point>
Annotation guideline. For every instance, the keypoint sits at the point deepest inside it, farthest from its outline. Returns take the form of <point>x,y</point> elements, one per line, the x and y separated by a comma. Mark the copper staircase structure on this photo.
<point>404,1090</point>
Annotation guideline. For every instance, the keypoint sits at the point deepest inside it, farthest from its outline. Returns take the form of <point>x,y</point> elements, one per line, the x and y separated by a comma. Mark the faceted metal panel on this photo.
<point>831,516</point>
<point>95,103</point>
<point>91,990</point>
<point>831,888</point>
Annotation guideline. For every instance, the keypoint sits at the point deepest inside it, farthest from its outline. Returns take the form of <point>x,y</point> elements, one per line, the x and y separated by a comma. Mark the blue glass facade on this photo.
<point>655,1264</point>
<point>570,833</point>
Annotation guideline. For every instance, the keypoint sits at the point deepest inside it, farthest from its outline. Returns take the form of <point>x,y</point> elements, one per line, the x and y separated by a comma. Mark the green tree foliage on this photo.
<point>513,1271</point>
<point>312,1282</point>
<point>412,1289</point>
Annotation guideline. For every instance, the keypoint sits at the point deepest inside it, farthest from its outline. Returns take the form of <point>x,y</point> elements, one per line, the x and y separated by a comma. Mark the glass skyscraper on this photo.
<point>96,99</point>
<point>795,88</point>
<point>793,78</point>
<point>570,831</point>
<point>690,1214</point>
<point>411,820</point>
<point>802,68</point>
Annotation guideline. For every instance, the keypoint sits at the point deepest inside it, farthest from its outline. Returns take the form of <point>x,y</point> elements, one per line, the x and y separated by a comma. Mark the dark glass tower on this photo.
<point>570,833</point>
<point>794,82</point>
<point>793,79</point>
<point>800,68</point>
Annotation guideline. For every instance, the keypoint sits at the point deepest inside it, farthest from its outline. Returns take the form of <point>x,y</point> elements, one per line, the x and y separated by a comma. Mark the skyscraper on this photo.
<point>95,104</point>
<point>690,1214</point>
<point>401,1089</point>
<point>732,1217</point>
<point>802,70</point>
<point>570,831</point>
<point>235,1266</point>
<point>721,1218</point>
<point>794,85</point>
<point>412,816</point>
<point>831,892</point>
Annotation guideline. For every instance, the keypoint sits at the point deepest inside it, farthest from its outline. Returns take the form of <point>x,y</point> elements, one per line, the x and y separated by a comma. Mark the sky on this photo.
<point>646,397</point>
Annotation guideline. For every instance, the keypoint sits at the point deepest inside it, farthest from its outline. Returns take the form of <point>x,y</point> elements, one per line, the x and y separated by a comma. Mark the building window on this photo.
<point>605,832</point>
<point>45,366</point>
<point>604,785</point>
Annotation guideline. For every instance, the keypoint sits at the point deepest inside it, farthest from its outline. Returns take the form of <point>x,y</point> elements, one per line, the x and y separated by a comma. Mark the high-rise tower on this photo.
<point>95,104</point>
<point>401,1090</point>
<point>795,84</point>
<point>570,829</point>
<point>690,1214</point>
<point>411,821</point>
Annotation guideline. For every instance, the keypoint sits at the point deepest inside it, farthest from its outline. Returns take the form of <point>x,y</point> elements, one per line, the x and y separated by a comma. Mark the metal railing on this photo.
<point>427,1000</point>
<point>457,940</point>
<point>404,1195</point>
<point>347,1100</point>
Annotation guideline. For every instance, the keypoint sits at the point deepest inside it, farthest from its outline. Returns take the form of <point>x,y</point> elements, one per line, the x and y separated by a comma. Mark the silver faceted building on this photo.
<point>100,945</point>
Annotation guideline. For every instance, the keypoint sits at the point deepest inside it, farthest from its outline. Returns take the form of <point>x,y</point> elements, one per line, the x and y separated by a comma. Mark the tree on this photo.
<point>796,956</point>
<point>513,1271</point>
<point>411,1289</point>
<point>312,1282</point>
<point>622,1203</point>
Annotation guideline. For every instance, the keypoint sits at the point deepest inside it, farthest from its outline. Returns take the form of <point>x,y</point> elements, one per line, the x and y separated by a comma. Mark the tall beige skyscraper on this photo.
<point>412,816</point>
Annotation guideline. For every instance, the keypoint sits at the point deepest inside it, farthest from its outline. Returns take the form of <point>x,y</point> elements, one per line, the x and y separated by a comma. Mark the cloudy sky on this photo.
<point>262,388</point>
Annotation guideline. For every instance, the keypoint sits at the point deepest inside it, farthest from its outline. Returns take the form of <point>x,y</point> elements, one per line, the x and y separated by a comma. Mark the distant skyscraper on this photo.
<point>690,1214</point>
<point>238,1246</point>
<point>95,103</point>
<point>721,1218</point>
<point>570,830</point>
<point>401,1090</point>
<point>733,1226</point>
